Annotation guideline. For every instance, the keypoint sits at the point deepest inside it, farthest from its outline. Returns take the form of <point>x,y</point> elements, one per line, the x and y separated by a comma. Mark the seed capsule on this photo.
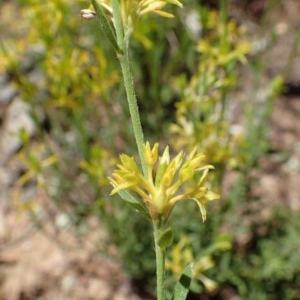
<point>87,14</point>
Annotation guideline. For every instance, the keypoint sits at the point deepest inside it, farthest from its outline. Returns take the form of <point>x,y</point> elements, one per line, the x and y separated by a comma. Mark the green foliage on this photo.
<point>132,236</point>
<point>68,87</point>
<point>203,113</point>
<point>270,267</point>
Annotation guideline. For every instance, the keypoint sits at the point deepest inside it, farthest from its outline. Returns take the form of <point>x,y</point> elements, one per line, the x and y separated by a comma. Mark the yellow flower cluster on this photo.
<point>131,10</point>
<point>167,182</point>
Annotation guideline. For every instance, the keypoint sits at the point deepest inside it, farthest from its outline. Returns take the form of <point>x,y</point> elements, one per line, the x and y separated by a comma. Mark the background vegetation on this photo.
<point>199,82</point>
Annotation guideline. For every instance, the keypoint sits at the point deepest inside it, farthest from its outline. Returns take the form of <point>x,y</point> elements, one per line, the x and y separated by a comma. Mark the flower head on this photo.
<point>167,182</point>
<point>132,10</point>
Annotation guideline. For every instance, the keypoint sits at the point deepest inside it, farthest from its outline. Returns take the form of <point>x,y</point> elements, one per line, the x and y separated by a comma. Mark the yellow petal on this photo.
<point>163,14</point>
<point>152,7</point>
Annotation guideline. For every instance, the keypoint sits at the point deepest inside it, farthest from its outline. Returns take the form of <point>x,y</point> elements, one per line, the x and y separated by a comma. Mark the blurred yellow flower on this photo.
<point>132,10</point>
<point>182,254</point>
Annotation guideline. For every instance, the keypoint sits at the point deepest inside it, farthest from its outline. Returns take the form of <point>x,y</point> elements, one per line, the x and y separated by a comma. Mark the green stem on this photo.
<point>133,108</point>
<point>160,263</point>
<point>123,43</point>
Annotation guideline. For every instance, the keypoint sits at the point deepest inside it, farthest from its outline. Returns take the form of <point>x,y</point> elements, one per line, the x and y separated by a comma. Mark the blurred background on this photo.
<point>223,76</point>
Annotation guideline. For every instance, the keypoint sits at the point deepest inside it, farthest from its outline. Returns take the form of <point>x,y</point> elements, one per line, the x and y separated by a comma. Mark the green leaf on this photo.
<point>183,285</point>
<point>166,238</point>
<point>106,26</point>
<point>137,204</point>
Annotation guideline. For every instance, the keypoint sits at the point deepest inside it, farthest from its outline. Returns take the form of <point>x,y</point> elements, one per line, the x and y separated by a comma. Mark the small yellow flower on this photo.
<point>131,10</point>
<point>167,182</point>
<point>182,254</point>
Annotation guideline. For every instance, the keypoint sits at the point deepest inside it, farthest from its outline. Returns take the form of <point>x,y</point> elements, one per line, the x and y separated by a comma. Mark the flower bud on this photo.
<point>87,14</point>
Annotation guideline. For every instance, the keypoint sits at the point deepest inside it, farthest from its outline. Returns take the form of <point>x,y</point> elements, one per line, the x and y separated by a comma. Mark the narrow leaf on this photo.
<point>135,203</point>
<point>183,285</point>
<point>106,26</point>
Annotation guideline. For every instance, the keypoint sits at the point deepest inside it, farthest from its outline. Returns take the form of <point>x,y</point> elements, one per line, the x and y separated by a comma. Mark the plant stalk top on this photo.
<point>132,10</point>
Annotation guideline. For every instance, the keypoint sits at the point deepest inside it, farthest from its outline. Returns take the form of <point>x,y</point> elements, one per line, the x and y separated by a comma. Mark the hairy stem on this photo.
<point>122,40</point>
<point>160,263</point>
